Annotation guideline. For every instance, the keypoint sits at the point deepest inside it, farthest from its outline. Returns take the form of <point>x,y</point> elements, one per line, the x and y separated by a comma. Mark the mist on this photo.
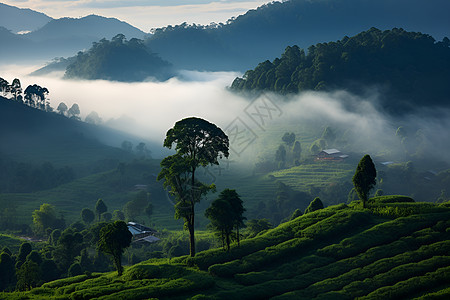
<point>149,109</point>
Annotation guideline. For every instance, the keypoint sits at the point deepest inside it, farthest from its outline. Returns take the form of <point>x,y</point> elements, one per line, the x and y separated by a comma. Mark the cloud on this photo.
<point>149,109</point>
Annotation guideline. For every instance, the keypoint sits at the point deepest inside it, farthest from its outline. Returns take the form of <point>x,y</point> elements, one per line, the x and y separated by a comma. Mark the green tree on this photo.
<point>288,138</point>
<point>280,155</point>
<point>87,215</point>
<point>297,213</point>
<point>100,207</point>
<point>297,150</point>
<point>24,250</point>
<point>118,215</point>
<point>69,246</point>
<point>226,214</point>
<point>114,238</point>
<point>136,206</point>
<point>255,226</point>
<point>364,178</point>
<point>198,143</point>
<point>28,276</point>
<point>316,204</point>
<point>7,271</point>
<point>45,218</point>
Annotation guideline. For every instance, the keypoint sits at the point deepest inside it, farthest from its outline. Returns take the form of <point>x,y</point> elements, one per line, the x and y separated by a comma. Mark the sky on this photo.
<point>145,14</point>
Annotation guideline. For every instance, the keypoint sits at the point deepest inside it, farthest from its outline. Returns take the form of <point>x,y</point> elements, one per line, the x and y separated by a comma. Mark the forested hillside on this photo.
<point>263,33</point>
<point>410,67</point>
<point>119,60</point>
<point>392,250</point>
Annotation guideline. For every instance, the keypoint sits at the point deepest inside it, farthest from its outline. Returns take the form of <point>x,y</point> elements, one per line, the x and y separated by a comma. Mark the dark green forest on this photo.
<point>410,69</point>
<point>119,60</point>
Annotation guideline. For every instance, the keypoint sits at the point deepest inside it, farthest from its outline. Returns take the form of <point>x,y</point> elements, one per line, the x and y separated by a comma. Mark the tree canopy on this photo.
<point>364,178</point>
<point>408,64</point>
<point>226,214</point>
<point>114,238</point>
<point>197,143</point>
<point>118,59</point>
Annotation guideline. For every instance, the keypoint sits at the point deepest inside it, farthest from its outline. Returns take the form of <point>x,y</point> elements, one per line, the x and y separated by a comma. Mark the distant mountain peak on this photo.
<point>21,19</point>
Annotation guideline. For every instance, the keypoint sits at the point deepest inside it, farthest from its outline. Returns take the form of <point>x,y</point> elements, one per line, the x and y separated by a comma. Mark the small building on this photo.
<point>331,154</point>
<point>142,233</point>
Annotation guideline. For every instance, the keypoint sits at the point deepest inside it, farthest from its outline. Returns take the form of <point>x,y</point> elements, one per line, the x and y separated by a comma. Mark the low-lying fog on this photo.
<point>149,109</point>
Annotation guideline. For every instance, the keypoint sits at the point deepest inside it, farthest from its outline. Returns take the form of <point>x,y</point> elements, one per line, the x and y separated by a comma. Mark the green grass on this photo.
<point>339,252</point>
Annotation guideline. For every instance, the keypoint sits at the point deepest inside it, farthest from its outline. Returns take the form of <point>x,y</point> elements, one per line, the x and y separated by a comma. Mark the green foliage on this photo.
<point>198,143</point>
<point>87,215</point>
<point>45,218</point>
<point>316,204</point>
<point>119,60</point>
<point>338,252</point>
<point>371,57</point>
<point>114,238</point>
<point>364,178</point>
<point>100,207</point>
<point>226,214</point>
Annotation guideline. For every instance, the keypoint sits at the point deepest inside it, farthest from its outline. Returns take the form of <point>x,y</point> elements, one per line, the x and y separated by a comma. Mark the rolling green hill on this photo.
<point>389,251</point>
<point>409,68</point>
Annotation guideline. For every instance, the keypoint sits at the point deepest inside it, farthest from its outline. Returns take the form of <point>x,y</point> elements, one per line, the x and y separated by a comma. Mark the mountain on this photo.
<point>65,37</point>
<point>410,67</point>
<point>21,20</point>
<point>392,250</point>
<point>119,60</point>
<point>263,33</point>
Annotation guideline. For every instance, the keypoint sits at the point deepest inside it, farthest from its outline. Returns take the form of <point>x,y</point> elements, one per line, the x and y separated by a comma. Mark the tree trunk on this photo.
<point>118,263</point>
<point>191,237</point>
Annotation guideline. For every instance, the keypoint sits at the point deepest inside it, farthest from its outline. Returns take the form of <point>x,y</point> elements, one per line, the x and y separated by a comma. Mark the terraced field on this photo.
<point>317,174</point>
<point>341,252</point>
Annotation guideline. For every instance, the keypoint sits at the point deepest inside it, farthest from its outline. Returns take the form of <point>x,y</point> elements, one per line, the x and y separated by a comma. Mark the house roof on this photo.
<point>331,151</point>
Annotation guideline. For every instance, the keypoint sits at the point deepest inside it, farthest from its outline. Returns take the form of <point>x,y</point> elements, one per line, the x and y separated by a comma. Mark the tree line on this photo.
<point>410,64</point>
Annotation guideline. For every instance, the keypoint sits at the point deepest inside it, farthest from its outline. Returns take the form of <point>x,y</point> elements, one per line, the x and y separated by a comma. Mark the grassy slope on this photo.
<point>339,252</point>
<point>113,188</point>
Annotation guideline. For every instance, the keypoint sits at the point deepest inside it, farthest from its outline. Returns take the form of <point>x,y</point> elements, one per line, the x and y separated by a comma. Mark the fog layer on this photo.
<point>149,109</point>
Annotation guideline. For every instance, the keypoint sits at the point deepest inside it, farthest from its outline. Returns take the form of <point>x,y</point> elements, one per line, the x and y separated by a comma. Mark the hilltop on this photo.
<point>21,20</point>
<point>392,250</point>
<point>410,69</point>
<point>262,33</point>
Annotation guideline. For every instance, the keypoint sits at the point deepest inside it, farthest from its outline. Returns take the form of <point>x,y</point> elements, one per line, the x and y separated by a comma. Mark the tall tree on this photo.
<point>87,215</point>
<point>364,178</point>
<point>4,86</point>
<point>198,143</point>
<point>226,214</point>
<point>297,150</point>
<point>114,238</point>
<point>35,96</point>
<point>16,89</point>
<point>100,207</point>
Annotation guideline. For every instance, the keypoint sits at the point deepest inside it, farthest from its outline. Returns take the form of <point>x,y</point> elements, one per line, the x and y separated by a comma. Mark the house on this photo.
<point>142,233</point>
<point>331,154</point>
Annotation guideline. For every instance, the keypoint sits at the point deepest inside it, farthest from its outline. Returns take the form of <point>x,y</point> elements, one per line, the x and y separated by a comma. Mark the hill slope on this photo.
<point>410,67</point>
<point>339,252</point>
<point>67,36</point>
<point>263,33</point>
<point>17,19</point>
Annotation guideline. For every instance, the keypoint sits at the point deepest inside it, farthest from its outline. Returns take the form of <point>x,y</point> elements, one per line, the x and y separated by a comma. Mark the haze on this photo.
<point>145,14</point>
<point>149,109</point>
